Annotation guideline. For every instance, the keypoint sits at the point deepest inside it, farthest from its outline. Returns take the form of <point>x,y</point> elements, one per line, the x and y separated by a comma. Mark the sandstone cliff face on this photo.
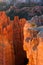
<point>33,40</point>
<point>20,54</point>
<point>6,42</point>
<point>11,40</point>
<point>21,39</point>
<point>40,48</point>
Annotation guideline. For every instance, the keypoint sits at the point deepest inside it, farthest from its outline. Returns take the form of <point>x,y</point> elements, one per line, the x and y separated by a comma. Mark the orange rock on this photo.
<point>40,52</point>
<point>10,32</point>
<point>16,19</point>
<point>30,43</point>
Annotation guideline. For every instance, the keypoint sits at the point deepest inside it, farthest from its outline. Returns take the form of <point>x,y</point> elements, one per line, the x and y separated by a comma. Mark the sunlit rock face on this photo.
<point>21,40</point>
<point>33,44</point>
<point>11,40</point>
<point>30,41</point>
<point>40,48</point>
<point>6,47</point>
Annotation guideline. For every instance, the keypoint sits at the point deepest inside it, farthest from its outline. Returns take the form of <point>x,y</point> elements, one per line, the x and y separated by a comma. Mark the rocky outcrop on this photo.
<point>20,54</point>
<point>11,41</point>
<point>20,40</point>
<point>6,43</point>
<point>33,40</point>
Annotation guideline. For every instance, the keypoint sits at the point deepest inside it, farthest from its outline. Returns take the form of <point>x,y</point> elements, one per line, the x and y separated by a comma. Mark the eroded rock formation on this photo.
<point>33,37</point>
<point>11,40</point>
<point>21,41</point>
